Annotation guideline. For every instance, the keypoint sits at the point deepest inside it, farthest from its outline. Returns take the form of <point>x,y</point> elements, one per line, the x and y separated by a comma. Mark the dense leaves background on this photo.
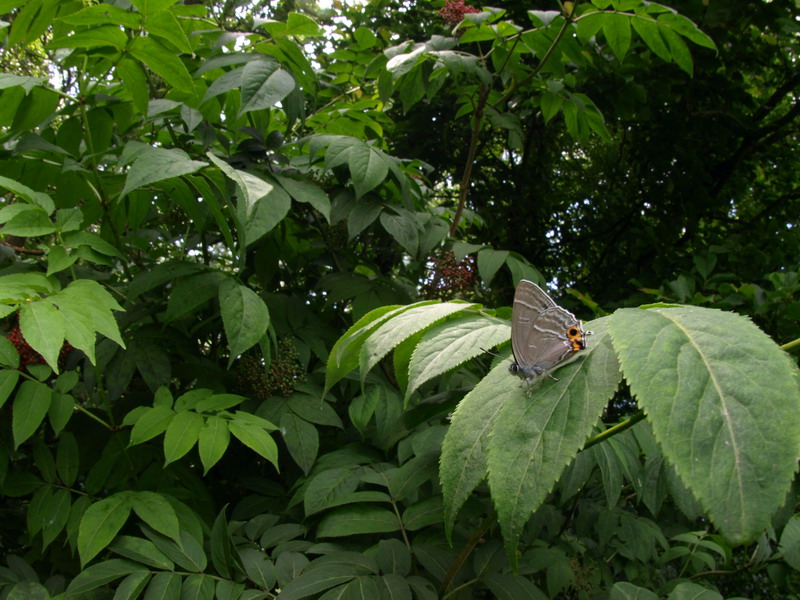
<point>236,237</point>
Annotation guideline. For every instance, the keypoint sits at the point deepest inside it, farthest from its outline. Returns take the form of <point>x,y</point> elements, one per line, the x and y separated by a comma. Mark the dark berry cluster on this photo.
<point>285,371</point>
<point>29,356</point>
<point>448,277</point>
<point>454,11</point>
<point>336,235</point>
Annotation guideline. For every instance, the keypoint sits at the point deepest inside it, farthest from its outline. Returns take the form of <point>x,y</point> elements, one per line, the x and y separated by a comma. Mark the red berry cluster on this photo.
<point>285,371</point>
<point>448,277</point>
<point>29,356</point>
<point>454,11</point>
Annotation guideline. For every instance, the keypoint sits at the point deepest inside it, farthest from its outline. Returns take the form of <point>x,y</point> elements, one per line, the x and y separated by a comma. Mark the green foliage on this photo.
<point>199,199</point>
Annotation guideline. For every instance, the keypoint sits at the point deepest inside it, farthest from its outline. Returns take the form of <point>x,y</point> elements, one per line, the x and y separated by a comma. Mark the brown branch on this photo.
<point>466,176</point>
<point>21,250</point>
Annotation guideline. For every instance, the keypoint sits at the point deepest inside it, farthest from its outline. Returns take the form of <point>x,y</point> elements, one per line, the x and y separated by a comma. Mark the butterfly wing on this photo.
<point>539,327</point>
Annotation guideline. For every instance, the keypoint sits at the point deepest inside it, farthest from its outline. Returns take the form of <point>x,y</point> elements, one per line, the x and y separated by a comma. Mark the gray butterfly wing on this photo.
<point>538,331</point>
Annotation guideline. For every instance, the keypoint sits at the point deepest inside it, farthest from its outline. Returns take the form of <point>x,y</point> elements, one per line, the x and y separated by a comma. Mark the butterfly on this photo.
<point>543,335</point>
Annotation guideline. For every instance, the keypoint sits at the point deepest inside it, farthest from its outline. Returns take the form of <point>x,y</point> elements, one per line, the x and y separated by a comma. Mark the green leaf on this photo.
<point>100,524</point>
<point>32,21</point>
<point>67,458</point>
<point>357,519</point>
<point>39,199</point>
<point>30,223</point>
<point>302,190</point>
<point>156,164</point>
<point>316,580</point>
<point>213,441</point>
<point>260,205</point>
<point>192,292</point>
<point>152,423</point>
<point>44,329</point>
<point>198,587</point>
<point>256,439</point>
<point>402,226</point>
<point>217,402</point>
<point>535,438</point>
<point>691,591</point>
<point>101,574</point>
<point>622,590</point>
<point>27,590</point>
<point>9,357</point>
<point>452,343</point>
<point>686,28</point>
<point>244,315</point>
<point>617,29</point>
<point>74,239</point>
<point>490,261</point>
<point>153,509</point>
<point>259,567</point>
<point>400,327</point>
<point>678,49</point>
<point>95,37</point>
<point>132,586</point>
<point>221,546</point>
<point>406,480</point>
<point>344,356</point>
<point>301,438</point>
<point>182,433</point>
<point>8,381</point>
<point>790,543</point>
<point>263,85</point>
<point>648,30</point>
<point>61,408</point>
<point>325,489</point>
<point>102,14</point>
<point>713,386</point>
<point>165,25</point>
<point>368,167</point>
<point>142,551</point>
<point>164,62</point>
<point>58,260</point>
<point>57,511</point>
<point>28,410</point>
<point>164,586</point>
<point>134,80</point>
<point>423,514</point>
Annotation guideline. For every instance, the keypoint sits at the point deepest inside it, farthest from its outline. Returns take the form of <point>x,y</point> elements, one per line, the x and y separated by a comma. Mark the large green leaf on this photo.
<point>156,511</point>
<point>103,35</point>
<point>212,441</point>
<point>157,164</point>
<point>43,326</point>
<point>181,435</point>
<point>724,404</point>
<point>301,438</point>
<point>244,315</point>
<point>356,519</point>
<point>189,293</point>
<point>162,61</point>
<point>263,84</point>
<point>101,574</point>
<point>30,406</point>
<point>538,431</point>
<point>368,167</point>
<point>100,524</point>
<point>151,423</point>
<point>400,327</point>
<point>261,204</point>
<point>316,580</point>
<point>452,343</point>
<point>256,438</point>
